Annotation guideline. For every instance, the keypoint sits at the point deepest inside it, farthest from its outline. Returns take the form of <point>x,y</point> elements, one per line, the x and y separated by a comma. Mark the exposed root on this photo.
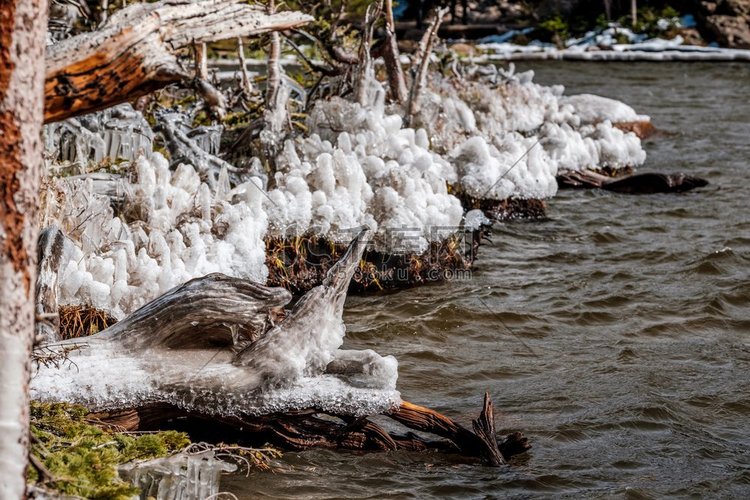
<point>300,263</point>
<point>507,209</point>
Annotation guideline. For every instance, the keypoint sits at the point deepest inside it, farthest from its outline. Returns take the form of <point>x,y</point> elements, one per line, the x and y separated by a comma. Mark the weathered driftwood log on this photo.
<point>135,51</point>
<point>220,350</point>
<point>311,428</point>
<point>648,183</point>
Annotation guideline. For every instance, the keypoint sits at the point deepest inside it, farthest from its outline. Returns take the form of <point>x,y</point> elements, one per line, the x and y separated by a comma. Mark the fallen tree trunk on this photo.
<point>219,349</point>
<point>134,53</point>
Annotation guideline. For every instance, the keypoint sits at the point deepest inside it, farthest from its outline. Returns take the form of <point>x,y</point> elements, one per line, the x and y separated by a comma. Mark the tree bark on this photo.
<point>135,51</point>
<point>23,26</point>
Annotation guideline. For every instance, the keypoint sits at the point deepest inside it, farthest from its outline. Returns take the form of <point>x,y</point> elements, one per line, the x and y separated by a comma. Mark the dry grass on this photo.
<point>82,321</point>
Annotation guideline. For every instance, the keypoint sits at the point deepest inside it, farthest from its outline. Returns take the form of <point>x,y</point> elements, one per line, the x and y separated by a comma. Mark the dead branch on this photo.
<point>423,56</point>
<point>136,50</point>
<point>396,79</point>
<point>245,83</point>
<point>183,148</point>
<point>364,70</point>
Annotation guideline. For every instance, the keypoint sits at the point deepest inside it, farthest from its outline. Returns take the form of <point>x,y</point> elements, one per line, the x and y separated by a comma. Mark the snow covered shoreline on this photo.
<point>494,136</point>
<point>684,53</point>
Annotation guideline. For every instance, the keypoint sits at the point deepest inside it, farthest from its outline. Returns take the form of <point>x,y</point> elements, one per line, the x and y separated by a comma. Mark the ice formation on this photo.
<point>360,166</point>
<point>507,137</point>
<point>168,227</point>
<point>181,476</point>
<point>297,364</point>
<point>497,136</point>
<point>594,109</point>
<point>603,45</point>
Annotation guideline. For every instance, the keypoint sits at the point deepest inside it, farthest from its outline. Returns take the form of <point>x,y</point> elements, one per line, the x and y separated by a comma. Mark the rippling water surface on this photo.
<point>615,334</point>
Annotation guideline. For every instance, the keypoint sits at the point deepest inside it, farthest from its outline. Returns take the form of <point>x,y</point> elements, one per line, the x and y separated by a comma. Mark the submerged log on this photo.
<point>312,428</point>
<point>655,183</point>
<point>648,183</point>
<point>135,52</point>
<point>482,442</point>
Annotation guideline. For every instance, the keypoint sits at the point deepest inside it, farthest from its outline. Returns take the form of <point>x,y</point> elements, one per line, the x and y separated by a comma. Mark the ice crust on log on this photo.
<point>185,349</point>
<point>508,137</point>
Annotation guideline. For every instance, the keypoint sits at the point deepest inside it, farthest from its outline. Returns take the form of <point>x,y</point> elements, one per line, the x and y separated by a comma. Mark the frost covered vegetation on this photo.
<point>201,196</point>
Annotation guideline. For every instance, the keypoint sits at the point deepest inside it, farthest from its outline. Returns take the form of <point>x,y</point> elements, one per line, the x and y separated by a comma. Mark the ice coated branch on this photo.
<point>135,52</point>
<point>423,57</point>
<point>396,79</point>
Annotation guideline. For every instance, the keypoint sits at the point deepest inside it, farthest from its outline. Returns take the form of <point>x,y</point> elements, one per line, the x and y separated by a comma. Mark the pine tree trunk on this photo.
<point>23,25</point>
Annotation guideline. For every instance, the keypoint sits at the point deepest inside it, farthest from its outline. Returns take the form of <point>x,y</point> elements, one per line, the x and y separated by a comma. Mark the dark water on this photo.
<point>615,334</point>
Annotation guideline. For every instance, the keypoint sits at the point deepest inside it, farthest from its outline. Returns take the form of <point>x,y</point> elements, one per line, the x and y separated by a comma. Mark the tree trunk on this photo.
<point>23,25</point>
<point>135,51</point>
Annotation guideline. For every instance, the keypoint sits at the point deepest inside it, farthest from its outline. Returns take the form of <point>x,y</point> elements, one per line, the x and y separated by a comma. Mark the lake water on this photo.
<point>615,333</point>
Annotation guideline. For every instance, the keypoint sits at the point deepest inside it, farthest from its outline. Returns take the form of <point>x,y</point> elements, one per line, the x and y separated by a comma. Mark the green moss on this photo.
<point>83,458</point>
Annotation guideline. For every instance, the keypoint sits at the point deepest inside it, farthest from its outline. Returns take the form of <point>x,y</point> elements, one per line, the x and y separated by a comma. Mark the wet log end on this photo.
<point>484,428</point>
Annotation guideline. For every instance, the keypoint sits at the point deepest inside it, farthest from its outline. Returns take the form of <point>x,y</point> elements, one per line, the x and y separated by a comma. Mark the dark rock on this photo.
<point>726,21</point>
